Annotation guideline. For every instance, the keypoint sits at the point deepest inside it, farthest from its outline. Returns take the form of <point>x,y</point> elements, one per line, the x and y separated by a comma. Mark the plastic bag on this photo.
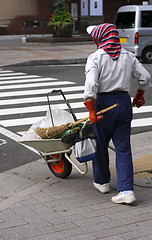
<point>84,149</point>
<point>60,117</point>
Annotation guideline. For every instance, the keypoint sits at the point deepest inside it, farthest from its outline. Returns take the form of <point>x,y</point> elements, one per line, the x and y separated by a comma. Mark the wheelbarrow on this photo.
<point>57,155</point>
<point>57,152</point>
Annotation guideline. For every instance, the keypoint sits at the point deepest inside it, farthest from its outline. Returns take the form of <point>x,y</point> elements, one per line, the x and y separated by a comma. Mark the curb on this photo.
<point>74,40</point>
<point>48,62</point>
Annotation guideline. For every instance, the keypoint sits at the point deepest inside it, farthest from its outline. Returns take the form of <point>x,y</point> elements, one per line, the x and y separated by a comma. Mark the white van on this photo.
<point>134,24</point>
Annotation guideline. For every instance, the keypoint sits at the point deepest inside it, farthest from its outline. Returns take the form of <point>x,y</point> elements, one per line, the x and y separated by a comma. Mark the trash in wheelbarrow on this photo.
<point>57,131</point>
<point>60,117</point>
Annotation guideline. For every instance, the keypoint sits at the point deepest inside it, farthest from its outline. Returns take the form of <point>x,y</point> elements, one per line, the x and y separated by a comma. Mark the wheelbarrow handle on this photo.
<point>98,113</point>
<point>67,103</point>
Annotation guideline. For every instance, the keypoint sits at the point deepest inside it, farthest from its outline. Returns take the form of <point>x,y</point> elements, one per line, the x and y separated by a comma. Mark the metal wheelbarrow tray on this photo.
<point>47,146</point>
<point>57,156</point>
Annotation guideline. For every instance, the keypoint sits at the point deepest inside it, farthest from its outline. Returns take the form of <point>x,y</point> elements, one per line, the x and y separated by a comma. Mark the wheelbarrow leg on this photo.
<point>79,170</point>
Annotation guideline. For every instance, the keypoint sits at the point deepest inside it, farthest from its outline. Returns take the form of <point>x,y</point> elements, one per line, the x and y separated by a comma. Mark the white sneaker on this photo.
<point>122,198</point>
<point>104,188</point>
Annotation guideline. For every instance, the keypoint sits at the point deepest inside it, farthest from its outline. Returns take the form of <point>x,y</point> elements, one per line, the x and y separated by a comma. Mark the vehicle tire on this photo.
<point>147,55</point>
<point>61,168</point>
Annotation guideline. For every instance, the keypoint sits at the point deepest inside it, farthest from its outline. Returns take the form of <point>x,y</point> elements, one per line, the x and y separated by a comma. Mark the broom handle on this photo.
<point>98,113</point>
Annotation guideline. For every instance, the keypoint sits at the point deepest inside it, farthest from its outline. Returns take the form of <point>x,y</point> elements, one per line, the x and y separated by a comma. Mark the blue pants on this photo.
<point>115,125</point>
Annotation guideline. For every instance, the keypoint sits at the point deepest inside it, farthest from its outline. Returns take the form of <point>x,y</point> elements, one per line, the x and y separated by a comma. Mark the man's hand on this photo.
<point>139,99</point>
<point>92,114</point>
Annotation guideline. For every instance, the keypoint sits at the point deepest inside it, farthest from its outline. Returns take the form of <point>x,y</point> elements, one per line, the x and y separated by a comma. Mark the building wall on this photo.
<point>24,16</point>
<point>11,8</point>
<point>44,7</point>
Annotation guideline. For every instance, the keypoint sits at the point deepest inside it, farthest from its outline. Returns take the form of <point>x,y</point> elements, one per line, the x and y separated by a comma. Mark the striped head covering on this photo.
<point>106,37</point>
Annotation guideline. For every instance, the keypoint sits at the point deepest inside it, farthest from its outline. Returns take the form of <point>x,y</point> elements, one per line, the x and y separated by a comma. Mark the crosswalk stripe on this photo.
<point>143,122</point>
<point>5,71</point>
<point>32,85</point>
<point>11,74</point>
<point>40,99</point>
<point>82,115</point>
<point>39,91</point>
<point>21,133</point>
<point>19,77</point>
<point>20,122</point>
<point>143,109</point>
<point>34,109</point>
<point>27,80</point>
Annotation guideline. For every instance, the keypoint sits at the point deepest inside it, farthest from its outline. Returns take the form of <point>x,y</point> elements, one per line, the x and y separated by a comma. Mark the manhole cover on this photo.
<point>142,171</point>
<point>143,182</point>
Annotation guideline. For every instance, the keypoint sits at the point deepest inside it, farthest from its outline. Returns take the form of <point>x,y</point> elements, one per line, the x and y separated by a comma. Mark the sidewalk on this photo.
<point>43,53</point>
<point>35,205</point>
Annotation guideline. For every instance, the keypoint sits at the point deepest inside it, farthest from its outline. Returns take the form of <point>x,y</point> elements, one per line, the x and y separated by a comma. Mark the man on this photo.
<point>109,72</point>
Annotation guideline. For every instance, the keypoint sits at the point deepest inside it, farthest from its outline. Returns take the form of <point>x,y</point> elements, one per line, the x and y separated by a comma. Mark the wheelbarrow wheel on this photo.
<point>61,168</point>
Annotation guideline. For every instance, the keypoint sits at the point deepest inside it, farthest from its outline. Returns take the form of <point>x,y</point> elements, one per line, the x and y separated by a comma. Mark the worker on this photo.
<point>108,75</point>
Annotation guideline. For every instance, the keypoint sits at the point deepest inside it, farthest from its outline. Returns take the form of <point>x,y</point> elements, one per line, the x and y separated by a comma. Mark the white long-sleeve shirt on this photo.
<point>105,75</point>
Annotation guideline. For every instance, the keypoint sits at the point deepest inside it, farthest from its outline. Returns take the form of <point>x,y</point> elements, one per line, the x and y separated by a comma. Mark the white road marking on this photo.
<point>5,71</point>
<point>34,85</point>
<point>52,98</point>
<point>12,74</point>
<point>27,80</point>
<point>2,142</point>
<point>142,109</point>
<point>34,109</point>
<point>40,91</point>
<point>143,122</point>
<point>20,122</point>
<point>19,77</point>
<point>14,137</point>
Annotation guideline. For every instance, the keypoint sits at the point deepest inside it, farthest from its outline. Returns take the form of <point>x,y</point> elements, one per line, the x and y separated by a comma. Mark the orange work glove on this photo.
<point>139,99</point>
<point>92,114</point>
